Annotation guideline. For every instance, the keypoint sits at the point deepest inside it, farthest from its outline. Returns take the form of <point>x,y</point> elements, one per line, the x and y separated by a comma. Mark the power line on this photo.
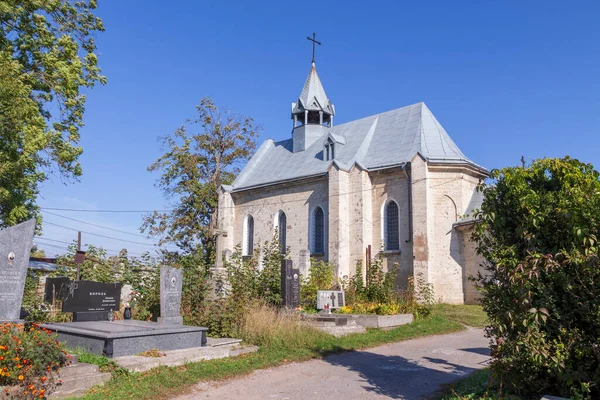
<point>104,248</point>
<point>96,225</point>
<point>129,253</point>
<point>169,210</point>
<point>53,240</point>
<point>103,211</point>
<point>237,206</point>
<point>102,236</point>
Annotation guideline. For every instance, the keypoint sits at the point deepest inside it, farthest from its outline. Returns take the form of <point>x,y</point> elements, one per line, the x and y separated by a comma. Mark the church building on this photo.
<point>394,181</point>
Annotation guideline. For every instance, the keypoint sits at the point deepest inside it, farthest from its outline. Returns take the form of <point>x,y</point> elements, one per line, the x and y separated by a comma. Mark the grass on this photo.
<point>278,344</point>
<point>470,315</point>
<point>105,363</point>
<point>475,386</point>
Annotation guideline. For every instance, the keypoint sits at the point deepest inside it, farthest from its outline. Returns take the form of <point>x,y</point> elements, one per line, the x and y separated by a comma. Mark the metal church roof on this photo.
<point>384,140</point>
<point>313,96</point>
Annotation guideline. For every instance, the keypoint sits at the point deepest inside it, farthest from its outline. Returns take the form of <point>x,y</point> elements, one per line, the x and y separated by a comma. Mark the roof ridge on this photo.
<point>378,114</point>
<point>364,146</point>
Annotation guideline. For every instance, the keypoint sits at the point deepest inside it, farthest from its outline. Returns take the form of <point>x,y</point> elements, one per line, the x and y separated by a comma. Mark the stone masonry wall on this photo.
<point>295,200</point>
<point>450,190</point>
<point>392,184</point>
<point>473,264</point>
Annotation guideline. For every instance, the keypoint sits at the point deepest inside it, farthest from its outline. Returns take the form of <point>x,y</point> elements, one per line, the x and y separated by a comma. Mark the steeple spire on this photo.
<point>313,112</point>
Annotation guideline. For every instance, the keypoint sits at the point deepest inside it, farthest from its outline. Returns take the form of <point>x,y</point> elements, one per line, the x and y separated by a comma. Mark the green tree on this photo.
<point>200,156</point>
<point>538,230</point>
<point>46,58</point>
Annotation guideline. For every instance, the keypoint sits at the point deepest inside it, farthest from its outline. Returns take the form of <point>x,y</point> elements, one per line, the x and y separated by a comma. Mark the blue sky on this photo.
<point>504,78</point>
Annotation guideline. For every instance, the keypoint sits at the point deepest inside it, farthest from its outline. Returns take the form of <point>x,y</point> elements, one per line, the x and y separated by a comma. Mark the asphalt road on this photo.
<point>414,369</point>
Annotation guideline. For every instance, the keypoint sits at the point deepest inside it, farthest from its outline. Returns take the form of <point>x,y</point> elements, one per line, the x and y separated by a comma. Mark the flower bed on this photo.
<point>30,359</point>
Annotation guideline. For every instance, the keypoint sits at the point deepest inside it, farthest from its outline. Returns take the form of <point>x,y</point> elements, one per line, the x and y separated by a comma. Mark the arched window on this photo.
<point>391,226</point>
<point>318,231</point>
<point>248,236</point>
<point>281,224</point>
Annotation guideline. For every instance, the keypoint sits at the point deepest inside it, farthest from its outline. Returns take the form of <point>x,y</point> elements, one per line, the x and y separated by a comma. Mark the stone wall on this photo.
<point>472,265</point>
<point>295,200</point>
<point>450,190</point>
<point>353,204</point>
<point>391,184</point>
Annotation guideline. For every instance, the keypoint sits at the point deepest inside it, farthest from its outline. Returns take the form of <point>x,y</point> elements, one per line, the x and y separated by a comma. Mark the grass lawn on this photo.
<point>470,315</point>
<point>168,381</point>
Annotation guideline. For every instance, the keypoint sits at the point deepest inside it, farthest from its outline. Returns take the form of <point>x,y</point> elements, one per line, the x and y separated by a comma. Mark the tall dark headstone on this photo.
<point>15,247</point>
<point>290,284</point>
<point>171,285</point>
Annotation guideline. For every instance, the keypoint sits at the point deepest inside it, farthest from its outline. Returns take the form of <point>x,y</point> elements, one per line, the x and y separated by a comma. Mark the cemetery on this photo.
<point>101,320</point>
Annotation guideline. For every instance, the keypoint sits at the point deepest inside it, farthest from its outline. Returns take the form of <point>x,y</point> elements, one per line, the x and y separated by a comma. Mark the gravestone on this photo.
<point>92,301</point>
<point>304,262</point>
<point>15,247</point>
<point>171,285</point>
<point>330,298</point>
<point>290,284</point>
<point>56,288</point>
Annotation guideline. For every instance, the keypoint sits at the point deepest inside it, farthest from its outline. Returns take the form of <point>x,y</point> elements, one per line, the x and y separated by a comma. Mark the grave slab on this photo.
<point>127,337</point>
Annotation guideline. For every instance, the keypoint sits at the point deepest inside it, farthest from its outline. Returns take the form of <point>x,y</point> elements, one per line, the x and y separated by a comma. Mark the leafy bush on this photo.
<point>30,358</point>
<point>250,280</point>
<point>379,295</point>
<point>380,286</point>
<point>321,276</point>
<point>538,230</point>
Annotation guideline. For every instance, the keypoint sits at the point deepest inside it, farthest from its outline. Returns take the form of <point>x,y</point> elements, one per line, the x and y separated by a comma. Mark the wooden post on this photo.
<point>78,249</point>
<point>368,269</point>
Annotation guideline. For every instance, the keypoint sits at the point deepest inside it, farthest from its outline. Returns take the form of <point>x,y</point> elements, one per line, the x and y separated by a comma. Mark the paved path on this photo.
<point>413,369</point>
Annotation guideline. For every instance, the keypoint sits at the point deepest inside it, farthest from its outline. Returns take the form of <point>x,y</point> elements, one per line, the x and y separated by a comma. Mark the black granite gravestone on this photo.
<point>290,284</point>
<point>92,301</point>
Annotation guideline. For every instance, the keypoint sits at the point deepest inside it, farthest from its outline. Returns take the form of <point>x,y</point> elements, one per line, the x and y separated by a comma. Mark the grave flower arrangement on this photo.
<point>30,360</point>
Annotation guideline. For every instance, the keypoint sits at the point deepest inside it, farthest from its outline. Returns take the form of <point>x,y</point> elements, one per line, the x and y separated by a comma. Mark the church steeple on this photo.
<point>313,112</point>
<point>313,105</point>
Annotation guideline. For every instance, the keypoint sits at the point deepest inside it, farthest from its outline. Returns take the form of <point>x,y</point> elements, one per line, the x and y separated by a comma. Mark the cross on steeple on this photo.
<point>314,40</point>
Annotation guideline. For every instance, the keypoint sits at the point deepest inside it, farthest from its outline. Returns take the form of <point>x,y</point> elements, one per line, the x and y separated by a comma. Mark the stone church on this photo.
<point>395,181</point>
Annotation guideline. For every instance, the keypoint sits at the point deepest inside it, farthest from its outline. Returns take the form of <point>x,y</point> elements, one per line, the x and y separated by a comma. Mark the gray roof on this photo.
<point>384,140</point>
<point>313,96</point>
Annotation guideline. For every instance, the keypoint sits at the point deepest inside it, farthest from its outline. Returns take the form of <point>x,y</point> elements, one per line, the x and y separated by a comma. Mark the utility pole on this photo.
<point>523,161</point>
<point>79,256</point>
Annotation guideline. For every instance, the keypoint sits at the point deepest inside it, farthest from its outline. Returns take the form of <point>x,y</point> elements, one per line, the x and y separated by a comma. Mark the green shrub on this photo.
<point>30,358</point>
<point>379,295</point>
<point>321,276</point>
<point>250,280</point>
<point>538,230</point>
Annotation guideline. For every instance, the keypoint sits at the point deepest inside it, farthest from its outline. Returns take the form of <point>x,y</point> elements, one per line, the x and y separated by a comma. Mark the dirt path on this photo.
<point>412,369</point>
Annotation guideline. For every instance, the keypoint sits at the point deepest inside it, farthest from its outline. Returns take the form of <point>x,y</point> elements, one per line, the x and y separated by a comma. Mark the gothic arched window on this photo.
<point>281,231</point>
<point>391,226</point>
<point>248,236</point>
<point>318,231</point>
